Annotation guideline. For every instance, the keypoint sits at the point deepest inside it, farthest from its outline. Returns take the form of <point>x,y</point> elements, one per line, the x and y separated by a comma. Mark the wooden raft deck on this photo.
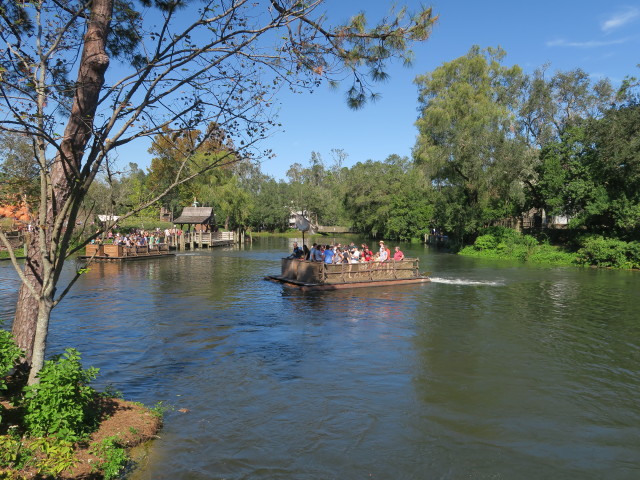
<point>308,275</point>
<point>111,252</point>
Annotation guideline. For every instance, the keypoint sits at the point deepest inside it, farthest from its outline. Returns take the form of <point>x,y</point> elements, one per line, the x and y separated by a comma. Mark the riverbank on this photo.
<point>527,251</point>
<point>591,251</point>
<point>18,252</point>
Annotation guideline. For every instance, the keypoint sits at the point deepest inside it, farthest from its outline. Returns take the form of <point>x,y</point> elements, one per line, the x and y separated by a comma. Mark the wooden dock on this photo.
<point>193,240</point>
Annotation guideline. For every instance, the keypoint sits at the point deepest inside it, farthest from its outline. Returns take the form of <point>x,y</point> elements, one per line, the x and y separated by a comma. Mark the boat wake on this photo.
<point>462,281</point>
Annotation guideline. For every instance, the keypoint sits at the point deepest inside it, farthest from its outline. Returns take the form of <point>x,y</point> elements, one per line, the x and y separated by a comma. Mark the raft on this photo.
<point>307,275</point>
<point>113,252</point>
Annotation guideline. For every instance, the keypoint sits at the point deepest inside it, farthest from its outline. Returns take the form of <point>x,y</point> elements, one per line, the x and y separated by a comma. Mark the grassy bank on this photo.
<point>595,251</point>
<point>19,252</point>
<point>504,243</point>
<point>286,234</point>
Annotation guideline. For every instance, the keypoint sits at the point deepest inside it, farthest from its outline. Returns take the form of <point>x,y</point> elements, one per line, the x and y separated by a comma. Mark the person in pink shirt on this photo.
<point>398,255</point>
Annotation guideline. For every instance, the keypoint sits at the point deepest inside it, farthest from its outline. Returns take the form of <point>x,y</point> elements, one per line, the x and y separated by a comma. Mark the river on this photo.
<point>494,370</point>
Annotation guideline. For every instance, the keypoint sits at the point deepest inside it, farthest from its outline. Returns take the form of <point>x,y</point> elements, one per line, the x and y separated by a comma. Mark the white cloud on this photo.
<point>621,18</point>
<point>588,44</point>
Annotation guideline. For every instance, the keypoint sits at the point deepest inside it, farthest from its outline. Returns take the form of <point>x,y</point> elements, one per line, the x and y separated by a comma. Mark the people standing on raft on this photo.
<point>297,251</point>
<point>384,253</point>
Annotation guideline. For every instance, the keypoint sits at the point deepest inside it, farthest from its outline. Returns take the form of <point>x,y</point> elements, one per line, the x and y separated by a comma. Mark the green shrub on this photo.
<point>633,254</point>
<point>609,252</point>
<point>503,234</point>
<point>60,405</point>
<point>112,457</point>
<point>485,242</point>
<point>48,456</point>
<point>52,455</point>
<point>9,355</point>
<point>552,255</point>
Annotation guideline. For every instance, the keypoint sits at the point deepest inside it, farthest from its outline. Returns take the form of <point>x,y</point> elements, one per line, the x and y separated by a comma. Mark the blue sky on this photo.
<point>602,38</point>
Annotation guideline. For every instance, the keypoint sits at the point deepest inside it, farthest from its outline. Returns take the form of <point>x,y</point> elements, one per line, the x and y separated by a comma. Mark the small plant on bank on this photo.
<point>159,409</point>
<point>112,457</point>
<point>13,453</point>
<point>49,457</point>
<point>111,392</point>
<point>52,455</point>
<point>60,405</point>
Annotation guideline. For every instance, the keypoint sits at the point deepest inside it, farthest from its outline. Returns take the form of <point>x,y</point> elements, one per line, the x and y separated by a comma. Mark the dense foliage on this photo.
<point>609,252</point>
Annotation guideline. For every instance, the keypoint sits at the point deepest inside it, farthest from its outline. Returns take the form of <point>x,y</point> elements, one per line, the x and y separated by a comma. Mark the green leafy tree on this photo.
<point>271,207</point>
<point>566,179</point>
<point>390,199</point>
<point>267,199</point>
<point>318,190</point>
<point>468,143</point>
<point>593,174</point>
<point>234,204</point>
<point>183,65</point>
<point>549,106</point>
<point>616,140</point>
<point>171,150</point>
<point>18,172</point>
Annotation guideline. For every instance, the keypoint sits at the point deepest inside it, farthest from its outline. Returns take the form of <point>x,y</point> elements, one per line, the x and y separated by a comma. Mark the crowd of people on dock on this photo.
<point>338,253</point>
<point>139,237</point>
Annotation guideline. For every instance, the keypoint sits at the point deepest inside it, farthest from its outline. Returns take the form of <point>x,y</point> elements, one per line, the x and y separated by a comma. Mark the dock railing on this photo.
<point>199,239</point>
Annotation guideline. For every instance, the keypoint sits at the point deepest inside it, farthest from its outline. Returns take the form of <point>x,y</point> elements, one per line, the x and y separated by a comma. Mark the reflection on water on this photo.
<point>494,370</point>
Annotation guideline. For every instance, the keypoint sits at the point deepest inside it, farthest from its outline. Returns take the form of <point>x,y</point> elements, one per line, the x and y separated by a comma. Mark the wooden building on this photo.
<point>200,219</point>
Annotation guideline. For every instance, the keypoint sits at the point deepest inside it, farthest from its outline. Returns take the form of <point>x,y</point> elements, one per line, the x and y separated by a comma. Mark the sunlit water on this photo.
<point>492,371</point>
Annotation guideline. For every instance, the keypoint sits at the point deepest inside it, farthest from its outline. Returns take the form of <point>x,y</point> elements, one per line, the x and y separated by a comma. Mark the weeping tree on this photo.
<point>81,78</point>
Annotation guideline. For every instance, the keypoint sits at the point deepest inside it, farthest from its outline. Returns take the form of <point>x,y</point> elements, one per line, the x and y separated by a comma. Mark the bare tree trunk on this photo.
<point>40,340</point>
<point>24,323</point>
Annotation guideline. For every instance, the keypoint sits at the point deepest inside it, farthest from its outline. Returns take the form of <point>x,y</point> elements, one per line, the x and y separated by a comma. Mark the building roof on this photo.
<point>195,216</point>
